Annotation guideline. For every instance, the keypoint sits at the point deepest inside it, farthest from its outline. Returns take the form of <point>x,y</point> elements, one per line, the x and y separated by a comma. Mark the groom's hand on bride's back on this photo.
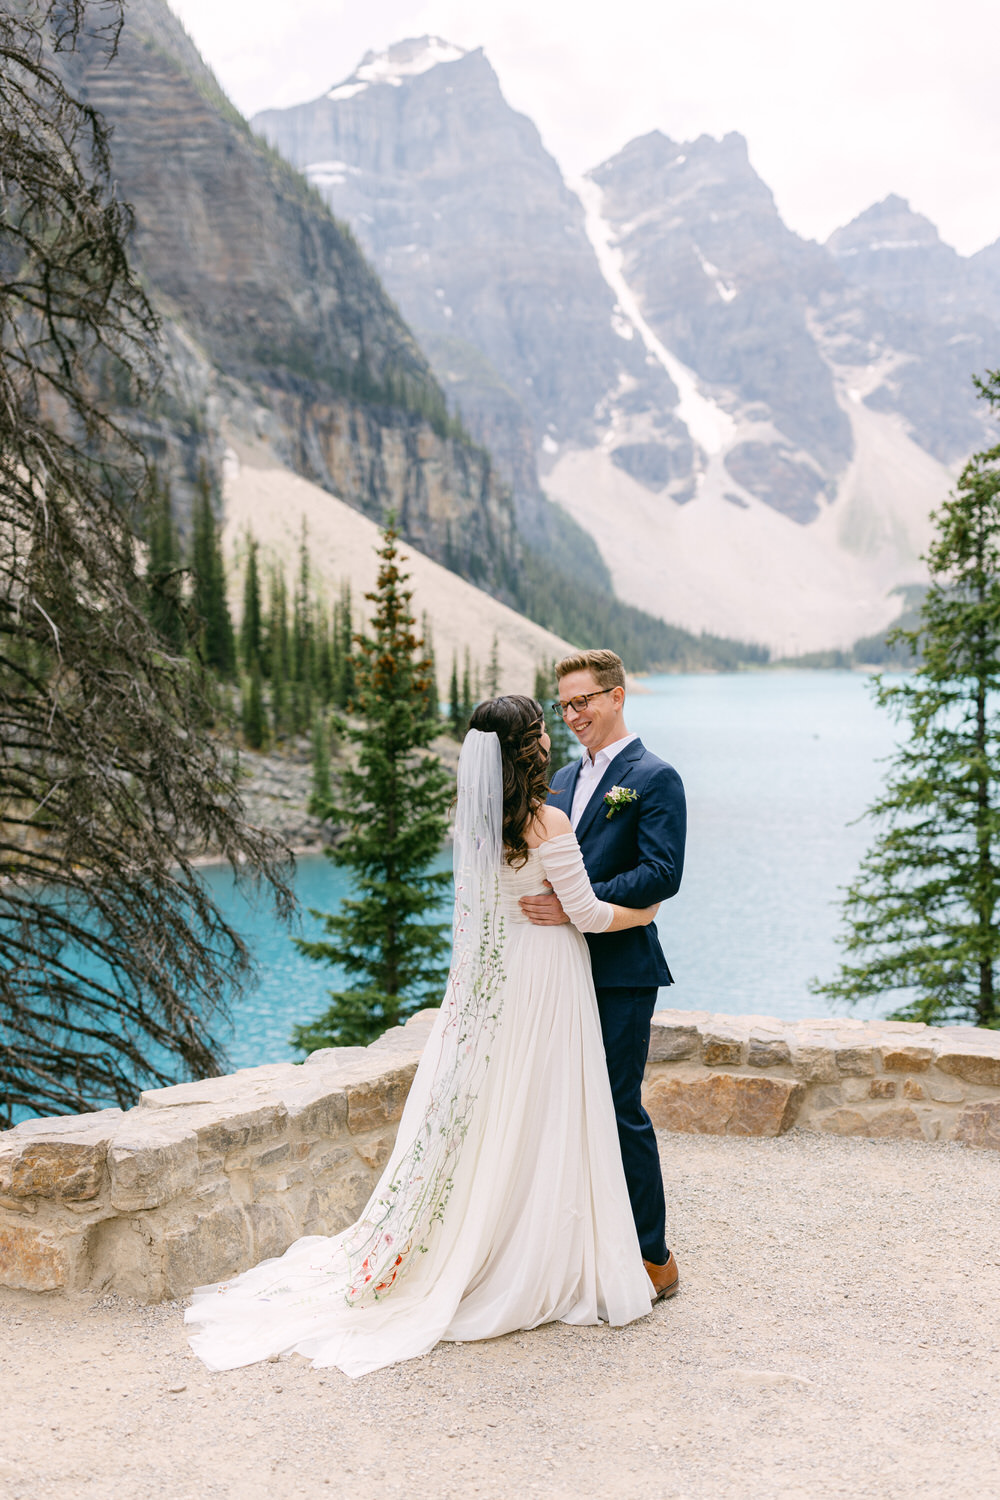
<point>545,909</point>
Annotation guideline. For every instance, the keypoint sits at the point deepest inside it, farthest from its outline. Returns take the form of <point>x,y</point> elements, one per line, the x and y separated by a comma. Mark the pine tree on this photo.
<point>252,624</point>
<point>253,715</point>
<point>321,792</point>
<point>324,677</point>
<point>923,915</point>
<point>278,652</point>
<point>468,702</point>
<point>217,646</point>
<point>492,684</point>
<point>344,631</point>
<point>457,725</point>
<point>113,958</point>
<point>565,746</point>
<point>164,569</point>
<point>393,804</point>
<point>432,704</point>
<point>302,642</point>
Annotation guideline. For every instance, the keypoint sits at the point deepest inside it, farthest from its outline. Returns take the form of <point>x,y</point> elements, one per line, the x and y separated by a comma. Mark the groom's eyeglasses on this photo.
<point>579,703</point>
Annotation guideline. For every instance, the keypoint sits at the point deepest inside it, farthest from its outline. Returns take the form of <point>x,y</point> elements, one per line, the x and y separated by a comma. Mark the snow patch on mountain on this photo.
<point>711,428</point>
<point>403,60</point>
<point>330,173</point>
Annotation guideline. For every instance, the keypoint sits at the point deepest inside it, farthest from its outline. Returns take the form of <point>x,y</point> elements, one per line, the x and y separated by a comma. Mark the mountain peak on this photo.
<point>402,60</point>
<point>890,224</point>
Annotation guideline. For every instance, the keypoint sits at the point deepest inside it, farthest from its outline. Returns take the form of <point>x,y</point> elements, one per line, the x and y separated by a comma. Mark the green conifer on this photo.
<point>468,702</point>
<point>278,653</point>
<point>923,915</point>
<point>457,725</point>
<point>492,684</point>
<point>216,643</point>
<point>432,703</point>
<point>565,746</point>
<point>253,715</point>
<point>393,804</point>
<point>321,792</point>
<point>252,624</point>
<point>164,568</point>
<point>345,642</point>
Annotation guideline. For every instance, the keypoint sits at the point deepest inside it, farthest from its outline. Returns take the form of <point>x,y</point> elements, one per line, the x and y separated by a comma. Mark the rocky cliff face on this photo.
<point>728,289</point>
<point>483,246</point>
<point>468,221</point>
<point>277,322</point>
<point>752,427</point>
<point>935,314</point>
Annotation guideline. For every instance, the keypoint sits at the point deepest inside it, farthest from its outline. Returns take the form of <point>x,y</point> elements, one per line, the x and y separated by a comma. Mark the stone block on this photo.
<point>844,1122</point>
<point>972,1067</point>
<point>908,1059</point>
<point>408,1038</point>
<point>62,1168</point>
<point>979,1125</point>
<point>814,1062</point>
<point>32,1259</point>
<point>855,1089</point>
<point>944,1090</point>
<point>222,1132</point>
<point>337,1199</point>
<point>768,1049</point>
<point>912,1089</point>
<point>208,1248</point>
<point>272,1229</point>
<point>376,1152</point>
<point>883,1124</point>
<point>724,1104</point>
<point>375,1102</point>
<point>275,1156</point>
<point>826,1096</point>
<point>882,1088</point>
<point>672,1041</point>
<point>249,1085</point>
<point>855,1061</point>
<point>722,1048</point>
<point>896,1125</point>
<point>151,1161</point>
<point>332,1058</point>
<point>317,1107</point>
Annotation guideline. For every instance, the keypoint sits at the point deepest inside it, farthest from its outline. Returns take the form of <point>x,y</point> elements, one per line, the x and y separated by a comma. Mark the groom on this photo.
<point>627,807</point>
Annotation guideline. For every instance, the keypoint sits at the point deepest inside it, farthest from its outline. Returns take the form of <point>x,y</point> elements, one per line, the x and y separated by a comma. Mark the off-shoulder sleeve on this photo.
<point>565,872</point>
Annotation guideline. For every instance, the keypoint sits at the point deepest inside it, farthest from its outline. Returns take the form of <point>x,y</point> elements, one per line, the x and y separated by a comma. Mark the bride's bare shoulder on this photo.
<point>549,823</point>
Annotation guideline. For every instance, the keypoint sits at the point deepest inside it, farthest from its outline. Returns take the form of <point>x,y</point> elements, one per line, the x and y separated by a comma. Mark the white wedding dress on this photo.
<point>534,1222</point>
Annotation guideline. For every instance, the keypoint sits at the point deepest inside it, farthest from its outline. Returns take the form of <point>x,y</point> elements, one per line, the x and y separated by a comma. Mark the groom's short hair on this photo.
<point>607,667</point>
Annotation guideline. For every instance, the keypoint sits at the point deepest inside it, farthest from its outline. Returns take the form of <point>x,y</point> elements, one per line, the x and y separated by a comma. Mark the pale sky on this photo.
<point>841,101</point>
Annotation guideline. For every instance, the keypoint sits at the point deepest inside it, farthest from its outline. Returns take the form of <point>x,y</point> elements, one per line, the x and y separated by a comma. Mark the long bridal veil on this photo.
<point>320,1297</point>
<point>398,1220</point>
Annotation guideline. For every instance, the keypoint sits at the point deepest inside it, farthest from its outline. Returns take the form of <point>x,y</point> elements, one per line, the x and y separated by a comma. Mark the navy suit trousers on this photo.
<point>625,1018</point>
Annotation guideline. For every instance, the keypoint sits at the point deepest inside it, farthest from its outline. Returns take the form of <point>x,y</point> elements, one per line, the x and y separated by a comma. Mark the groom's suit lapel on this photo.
<point>619,773</point>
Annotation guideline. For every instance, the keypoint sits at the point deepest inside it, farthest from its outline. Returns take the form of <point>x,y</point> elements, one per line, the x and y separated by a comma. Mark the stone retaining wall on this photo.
<point>201,1180</point>
<point>754,1075</point>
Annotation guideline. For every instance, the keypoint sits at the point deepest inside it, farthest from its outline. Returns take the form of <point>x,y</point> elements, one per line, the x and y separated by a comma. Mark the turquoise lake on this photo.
<point>777,766</point>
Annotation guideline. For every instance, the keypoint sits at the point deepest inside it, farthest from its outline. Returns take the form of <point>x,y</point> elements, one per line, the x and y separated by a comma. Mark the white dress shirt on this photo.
<point>591,772</point>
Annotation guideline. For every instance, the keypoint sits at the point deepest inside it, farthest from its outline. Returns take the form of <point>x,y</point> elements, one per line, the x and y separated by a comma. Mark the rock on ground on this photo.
<point>836,1336</point>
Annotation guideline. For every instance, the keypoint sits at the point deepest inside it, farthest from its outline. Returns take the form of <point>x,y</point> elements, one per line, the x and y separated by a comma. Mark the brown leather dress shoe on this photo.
<point>665,1278</point>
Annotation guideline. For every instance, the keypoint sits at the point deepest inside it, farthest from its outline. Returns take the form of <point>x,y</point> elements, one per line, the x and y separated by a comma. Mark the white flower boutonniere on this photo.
<point>619,797</point>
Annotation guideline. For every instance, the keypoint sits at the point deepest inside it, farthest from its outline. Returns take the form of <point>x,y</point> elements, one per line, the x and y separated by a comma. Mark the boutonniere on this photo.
<point>619,797</point>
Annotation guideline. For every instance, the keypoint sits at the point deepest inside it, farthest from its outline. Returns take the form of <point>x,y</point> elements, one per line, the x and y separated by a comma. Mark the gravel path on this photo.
<point>837,1335</point>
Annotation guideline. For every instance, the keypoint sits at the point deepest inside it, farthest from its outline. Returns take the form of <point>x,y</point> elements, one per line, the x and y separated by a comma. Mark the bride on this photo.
<point>504,1203</point>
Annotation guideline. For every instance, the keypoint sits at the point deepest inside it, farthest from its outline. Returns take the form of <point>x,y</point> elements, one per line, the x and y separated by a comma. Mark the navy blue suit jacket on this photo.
<point>634,858</point>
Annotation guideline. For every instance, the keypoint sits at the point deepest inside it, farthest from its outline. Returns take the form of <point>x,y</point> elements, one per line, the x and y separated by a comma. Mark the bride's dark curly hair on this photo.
<point>518,722</point>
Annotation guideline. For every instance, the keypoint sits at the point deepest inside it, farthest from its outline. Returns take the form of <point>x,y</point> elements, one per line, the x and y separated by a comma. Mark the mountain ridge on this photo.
<point>719,403</point>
